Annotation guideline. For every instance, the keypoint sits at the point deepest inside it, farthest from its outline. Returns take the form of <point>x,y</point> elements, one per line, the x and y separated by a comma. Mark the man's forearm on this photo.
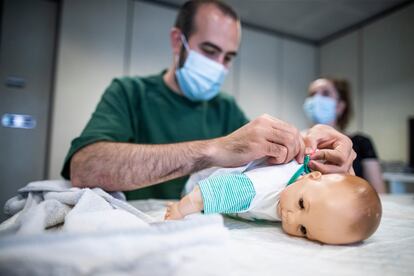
<point>122,166</point>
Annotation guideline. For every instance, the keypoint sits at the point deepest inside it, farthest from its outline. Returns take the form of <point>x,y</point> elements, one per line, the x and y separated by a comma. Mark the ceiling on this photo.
<point>310,20</point>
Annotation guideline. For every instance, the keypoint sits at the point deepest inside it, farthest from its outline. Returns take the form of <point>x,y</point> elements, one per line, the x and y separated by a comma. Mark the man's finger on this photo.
<point>325,168</point>
<point>310,145</point>
<point>333,156</point>
<point>277,153</point>
<point>286,139</point>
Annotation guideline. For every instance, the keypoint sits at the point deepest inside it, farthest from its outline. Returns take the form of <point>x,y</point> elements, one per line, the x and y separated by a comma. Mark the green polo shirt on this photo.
<point>145,111</point>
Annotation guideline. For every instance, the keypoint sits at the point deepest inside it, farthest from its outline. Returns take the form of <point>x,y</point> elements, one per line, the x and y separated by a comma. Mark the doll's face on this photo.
<point>318,207</point>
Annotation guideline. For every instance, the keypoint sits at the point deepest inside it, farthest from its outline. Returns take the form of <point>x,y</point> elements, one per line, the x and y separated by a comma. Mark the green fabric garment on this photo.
<point>146,111</point>
<point>227,193</point>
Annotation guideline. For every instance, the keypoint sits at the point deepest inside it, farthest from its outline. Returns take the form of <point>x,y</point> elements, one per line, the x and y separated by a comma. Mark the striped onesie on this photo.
<point>251,191</point>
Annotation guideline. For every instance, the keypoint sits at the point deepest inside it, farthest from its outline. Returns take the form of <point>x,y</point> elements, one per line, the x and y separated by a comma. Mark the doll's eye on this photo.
<point>303,230</point>
<point>301,204</point>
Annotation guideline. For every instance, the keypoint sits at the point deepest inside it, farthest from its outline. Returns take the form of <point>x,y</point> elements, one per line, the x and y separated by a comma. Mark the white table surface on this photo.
<point>261,248</point>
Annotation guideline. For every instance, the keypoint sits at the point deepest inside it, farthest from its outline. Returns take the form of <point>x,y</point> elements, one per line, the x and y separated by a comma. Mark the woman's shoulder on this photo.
<point>360,137</point>
<point>363,145</point>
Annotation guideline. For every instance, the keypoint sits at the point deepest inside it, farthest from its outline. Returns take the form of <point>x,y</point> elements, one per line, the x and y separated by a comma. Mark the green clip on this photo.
<point>303,169</point>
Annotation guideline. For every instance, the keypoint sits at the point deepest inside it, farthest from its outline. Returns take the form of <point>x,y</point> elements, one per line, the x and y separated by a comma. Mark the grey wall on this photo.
<point>103,39</point>
<point>91,52</point>
<point>26,51</point>
<point>378,61</point>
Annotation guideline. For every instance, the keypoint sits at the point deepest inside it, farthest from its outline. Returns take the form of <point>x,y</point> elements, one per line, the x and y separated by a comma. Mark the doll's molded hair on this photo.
<point>369,210</point>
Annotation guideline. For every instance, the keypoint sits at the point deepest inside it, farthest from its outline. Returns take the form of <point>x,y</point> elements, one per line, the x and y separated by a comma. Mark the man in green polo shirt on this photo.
<point>158,129</point>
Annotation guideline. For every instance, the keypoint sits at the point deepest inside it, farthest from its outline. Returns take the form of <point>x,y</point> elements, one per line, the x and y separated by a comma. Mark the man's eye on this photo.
<point>301,204</point>
<point>228,59</point>
<point>303,230</point>
<point>209,52</point>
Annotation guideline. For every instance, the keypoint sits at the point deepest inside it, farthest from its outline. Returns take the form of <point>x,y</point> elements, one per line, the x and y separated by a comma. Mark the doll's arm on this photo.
<point>190,204</point>
<point>218,194</point>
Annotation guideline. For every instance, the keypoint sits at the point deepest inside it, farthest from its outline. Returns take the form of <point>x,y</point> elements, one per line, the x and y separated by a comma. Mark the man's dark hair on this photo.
<point>187,12</point>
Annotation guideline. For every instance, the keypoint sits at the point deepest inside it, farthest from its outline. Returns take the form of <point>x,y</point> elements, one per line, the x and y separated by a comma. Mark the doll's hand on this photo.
<point>173,211</point>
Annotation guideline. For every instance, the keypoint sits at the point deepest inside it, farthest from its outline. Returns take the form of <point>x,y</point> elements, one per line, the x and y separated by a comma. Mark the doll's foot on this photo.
<point>173,211</point>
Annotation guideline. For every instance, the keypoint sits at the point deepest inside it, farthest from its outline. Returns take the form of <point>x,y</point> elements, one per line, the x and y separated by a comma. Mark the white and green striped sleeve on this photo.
<point>227,193</point>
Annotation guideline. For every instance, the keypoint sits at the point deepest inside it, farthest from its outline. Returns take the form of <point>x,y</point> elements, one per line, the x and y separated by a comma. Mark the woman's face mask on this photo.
<point>200,78</point>
<point>320,109</point>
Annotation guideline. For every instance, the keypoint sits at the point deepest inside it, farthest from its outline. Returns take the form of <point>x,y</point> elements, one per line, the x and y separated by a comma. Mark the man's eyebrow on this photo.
<point>217,48</point>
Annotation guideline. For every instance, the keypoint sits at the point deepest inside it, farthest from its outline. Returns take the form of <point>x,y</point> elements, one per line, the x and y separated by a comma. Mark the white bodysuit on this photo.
<point>261,203</point>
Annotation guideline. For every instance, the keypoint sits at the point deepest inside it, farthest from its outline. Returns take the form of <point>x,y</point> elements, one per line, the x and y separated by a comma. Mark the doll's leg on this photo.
<point>190,204</point>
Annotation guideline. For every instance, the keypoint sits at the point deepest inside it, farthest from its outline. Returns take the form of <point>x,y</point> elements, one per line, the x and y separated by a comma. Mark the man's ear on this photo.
<point>175,40</point>
<point>315,175</point>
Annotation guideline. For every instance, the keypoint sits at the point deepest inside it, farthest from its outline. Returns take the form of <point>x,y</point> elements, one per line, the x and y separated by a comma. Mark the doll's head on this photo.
<point>331,208</point>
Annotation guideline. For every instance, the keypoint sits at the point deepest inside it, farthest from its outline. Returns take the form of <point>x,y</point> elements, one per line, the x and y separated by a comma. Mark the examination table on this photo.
<point>201,245</point>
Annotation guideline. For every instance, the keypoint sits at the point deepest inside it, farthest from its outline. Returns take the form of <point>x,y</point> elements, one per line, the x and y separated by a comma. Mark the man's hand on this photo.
<point>334,150</point>
<point>264,136</point>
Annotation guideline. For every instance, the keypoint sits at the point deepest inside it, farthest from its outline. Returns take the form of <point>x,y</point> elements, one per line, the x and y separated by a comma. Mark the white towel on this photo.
<point>166,248</point>
<point>53,205</point>
<point>60,230</point>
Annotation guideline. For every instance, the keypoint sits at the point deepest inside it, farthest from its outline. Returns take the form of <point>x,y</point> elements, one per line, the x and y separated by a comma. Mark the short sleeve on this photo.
<point>364,147</point>
<point>227,193</point>
<point>111,121</point>
<point>239,118</point>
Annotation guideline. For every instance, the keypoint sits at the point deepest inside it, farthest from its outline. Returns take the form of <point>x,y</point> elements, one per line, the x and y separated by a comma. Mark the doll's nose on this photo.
<point>287,216</point>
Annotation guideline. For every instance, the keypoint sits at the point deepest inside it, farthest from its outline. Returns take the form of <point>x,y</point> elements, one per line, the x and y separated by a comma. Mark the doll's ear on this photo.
<point>315,175</point>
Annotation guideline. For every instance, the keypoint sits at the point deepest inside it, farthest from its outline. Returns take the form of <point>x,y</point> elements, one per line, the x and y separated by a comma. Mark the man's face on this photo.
<point>216,36</point>
<point>318,207</point>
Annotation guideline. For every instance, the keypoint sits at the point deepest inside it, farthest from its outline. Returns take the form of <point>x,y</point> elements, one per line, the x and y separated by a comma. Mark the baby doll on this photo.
<point>331,208</point>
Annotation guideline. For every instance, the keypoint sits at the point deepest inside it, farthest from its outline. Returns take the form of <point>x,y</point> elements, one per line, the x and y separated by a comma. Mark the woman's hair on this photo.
<point>344,91</point>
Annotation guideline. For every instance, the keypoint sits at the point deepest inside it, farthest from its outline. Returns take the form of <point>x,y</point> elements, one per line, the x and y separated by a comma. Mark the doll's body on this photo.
<point>250,192</point>
<point>333,208</point>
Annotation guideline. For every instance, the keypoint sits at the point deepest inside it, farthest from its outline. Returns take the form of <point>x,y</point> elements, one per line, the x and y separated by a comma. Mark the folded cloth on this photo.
<point>164,248</point>
<point>60,230</point>
<point>51,205</point>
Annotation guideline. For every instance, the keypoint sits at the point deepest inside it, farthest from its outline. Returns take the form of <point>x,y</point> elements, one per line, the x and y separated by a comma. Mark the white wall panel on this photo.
<point>151,50</point>
<point>341,58</point>
<point>260,74</point>
<point>298,71</point>
<point>90,54</point>
<point>389,82</point>
<point>378,60</point>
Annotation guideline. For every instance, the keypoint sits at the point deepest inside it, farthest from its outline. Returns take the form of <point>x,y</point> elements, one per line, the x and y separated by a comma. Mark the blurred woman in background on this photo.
<point>329,102</point>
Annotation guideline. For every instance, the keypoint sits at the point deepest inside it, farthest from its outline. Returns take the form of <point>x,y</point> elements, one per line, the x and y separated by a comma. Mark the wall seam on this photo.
<point>49,131</point>
<point>236,78</point>
<point>128,37</point>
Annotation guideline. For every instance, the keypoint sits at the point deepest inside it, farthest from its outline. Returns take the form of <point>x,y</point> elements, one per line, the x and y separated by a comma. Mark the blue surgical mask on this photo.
<point>200,78</point>
<point>320,109</point>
